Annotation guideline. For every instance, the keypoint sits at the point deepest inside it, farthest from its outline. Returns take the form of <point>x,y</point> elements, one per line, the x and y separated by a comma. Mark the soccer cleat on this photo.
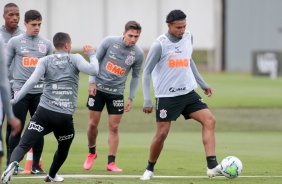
<point>216,171</point>
<point>112,167</point>
<point>7,174</point>
<point>37,170</point>
<point>147,175</point>
<point>89,160</point>
<point>16,171</point>
<point>56,179</point>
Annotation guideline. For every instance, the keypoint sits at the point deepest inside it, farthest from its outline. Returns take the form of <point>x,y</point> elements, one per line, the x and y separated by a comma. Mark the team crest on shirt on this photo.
<point>163,113</point>
<point>42,48</point>
<point>129,60</point>
<point>91,102</point>
<point>23,40</point>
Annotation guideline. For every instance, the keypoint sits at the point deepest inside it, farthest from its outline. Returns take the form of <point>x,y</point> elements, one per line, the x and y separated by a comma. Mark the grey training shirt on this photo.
<point>61,72</point>
<point>26,50</point>
<point>153,58</point>
<point>116,60</point>
<point>6,37</point>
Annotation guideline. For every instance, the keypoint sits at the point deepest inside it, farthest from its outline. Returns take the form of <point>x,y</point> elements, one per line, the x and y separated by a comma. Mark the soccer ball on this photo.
<point>231,167</point>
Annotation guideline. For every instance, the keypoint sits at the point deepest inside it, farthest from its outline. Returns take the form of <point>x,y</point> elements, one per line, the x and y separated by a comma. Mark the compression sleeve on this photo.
<point>153,58</point>
<point>4,83</point>
<point>198,76</point>
<point>32,81</point>
<point>91,68</point>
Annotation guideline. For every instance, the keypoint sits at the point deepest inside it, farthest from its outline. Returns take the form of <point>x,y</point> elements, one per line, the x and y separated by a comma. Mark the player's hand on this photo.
<point>208,91</point>
<point>92,89</point>
<point>87,49</point>
<point>128,105</point>
<point>147,110</point>
<point>16,125</point>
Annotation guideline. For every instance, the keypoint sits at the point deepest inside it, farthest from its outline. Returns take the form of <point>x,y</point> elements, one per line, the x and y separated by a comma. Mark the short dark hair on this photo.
<point>132,25</point>
<point>60,39</point>
<point>175,15</point>
<point>31,15</point>
<point>9,5</point>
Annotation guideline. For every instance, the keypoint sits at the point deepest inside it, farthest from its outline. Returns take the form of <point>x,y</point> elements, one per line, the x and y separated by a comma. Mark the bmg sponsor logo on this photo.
<point>65,137</point>
<point>34,126</point>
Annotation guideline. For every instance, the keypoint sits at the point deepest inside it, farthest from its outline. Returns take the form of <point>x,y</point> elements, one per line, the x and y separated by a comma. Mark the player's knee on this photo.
<point>93,125</point>
<point>162,135</point>
<point>210,122</point>
<point>113,129</point>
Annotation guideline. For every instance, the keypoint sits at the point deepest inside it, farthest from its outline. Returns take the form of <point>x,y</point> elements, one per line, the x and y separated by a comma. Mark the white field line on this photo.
<point>132,176</point>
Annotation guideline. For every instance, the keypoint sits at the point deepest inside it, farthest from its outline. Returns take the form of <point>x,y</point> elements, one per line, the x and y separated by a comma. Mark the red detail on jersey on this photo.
<point>30,62</point>
<point>178,63</point>
<point>115,69</point>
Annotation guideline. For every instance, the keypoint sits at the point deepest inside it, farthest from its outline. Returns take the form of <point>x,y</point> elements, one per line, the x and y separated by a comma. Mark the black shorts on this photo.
<point>170,108</point>
<point>114,103</point>
<point>45,121</point>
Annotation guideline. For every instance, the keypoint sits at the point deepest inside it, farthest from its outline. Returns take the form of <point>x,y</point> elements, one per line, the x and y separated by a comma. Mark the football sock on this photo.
<point>111,158</point>
<point>151,166</point>
<point>92,149</point>
<point>211,161</point>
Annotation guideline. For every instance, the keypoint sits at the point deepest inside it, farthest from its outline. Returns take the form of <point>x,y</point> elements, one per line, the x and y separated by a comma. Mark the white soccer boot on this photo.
<point>56,179</point>
<point>7,174</point>
<point>147,175</point>
<point>216,171</point>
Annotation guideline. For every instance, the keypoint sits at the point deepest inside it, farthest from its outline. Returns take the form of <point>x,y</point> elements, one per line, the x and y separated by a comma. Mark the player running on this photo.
<point>57,104</point>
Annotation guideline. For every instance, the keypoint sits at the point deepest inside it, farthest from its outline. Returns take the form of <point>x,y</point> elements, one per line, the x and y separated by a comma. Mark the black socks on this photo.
<point>111,158</point>
<point>92,149</point>
<point>151,166</point>
<point>211,161</point>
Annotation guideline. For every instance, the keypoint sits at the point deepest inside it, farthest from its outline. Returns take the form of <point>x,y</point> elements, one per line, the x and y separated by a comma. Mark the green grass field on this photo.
<point>249,123</point>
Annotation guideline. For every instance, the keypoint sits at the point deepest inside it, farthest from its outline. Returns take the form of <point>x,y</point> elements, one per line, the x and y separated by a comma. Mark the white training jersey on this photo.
<point>172,75</point>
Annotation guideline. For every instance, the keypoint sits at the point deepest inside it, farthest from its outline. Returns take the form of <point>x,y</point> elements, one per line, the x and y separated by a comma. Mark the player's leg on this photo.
<point>20,110</point>
<point>167,110</point>
<point>8,132</point>
<point>63,129</point>
<point>198,110</point>
<point>115,107</point>
<point>156,147</point>
<point>95,105</point>
<point>1,143</point>
<point>38,146</point>
<point>34,131</point>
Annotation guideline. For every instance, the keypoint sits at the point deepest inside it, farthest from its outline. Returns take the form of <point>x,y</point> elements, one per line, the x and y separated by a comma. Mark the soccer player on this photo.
<point>10,29</point>
<point>175,77</point>
<point>24,51</point>
<point>5,97</point>
<point>117,55</point>
<point>57,104</point>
